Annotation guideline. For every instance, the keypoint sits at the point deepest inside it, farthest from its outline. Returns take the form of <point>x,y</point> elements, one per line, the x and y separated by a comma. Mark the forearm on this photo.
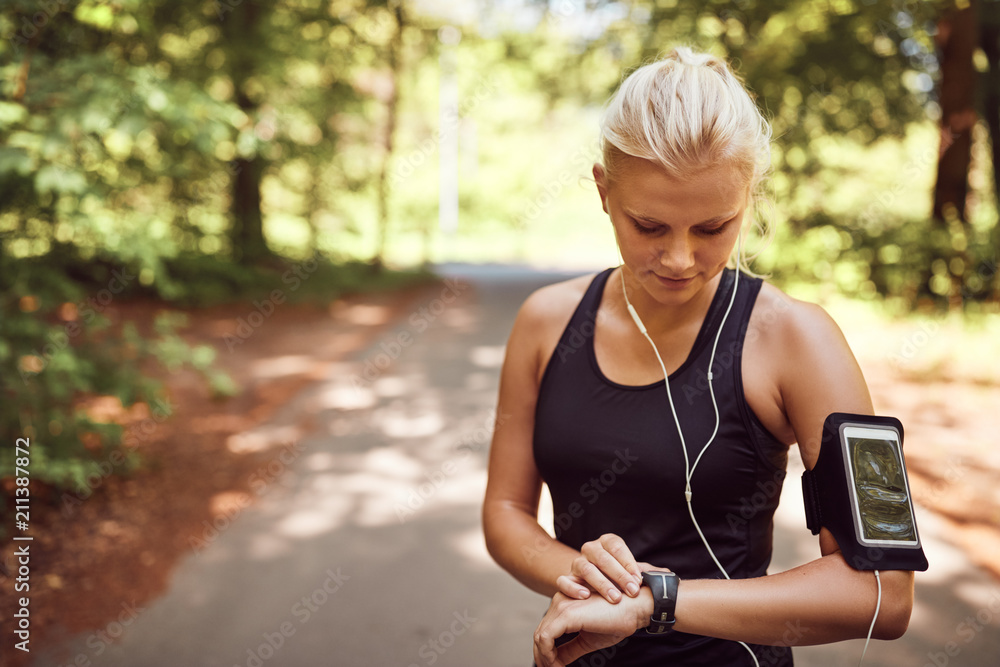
<point>520,546</point>
<point>820,602</point>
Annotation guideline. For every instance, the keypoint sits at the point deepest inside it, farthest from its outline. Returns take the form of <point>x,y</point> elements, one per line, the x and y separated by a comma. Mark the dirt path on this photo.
<point>953,464</point>
<point>122,540</point>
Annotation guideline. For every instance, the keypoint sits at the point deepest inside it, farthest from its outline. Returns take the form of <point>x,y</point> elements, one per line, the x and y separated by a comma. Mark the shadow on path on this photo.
<point>365,549</point>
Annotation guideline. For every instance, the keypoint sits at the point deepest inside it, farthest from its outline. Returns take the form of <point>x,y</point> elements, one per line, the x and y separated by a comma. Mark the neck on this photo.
<point>659,318</point>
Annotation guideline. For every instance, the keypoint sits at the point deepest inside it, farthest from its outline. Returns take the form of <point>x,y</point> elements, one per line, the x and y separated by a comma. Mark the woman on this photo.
<point>641,480</point>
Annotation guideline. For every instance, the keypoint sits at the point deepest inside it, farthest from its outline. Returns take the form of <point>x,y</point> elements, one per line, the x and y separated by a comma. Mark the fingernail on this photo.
<point>632,589</point>
<point>614,595</point>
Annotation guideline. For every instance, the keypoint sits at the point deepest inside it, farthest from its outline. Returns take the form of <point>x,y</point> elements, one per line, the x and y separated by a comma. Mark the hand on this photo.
<point>606,565</point>
<point>599,624</point>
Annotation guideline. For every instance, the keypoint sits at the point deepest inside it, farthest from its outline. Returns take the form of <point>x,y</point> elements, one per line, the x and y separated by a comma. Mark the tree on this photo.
<point>391,100</point>
<point>242,37</point>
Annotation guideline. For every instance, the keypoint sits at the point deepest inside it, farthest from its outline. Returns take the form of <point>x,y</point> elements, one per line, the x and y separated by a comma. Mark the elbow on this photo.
<point>897,605</point>
<point>490,533</point>
<point>487,537</point>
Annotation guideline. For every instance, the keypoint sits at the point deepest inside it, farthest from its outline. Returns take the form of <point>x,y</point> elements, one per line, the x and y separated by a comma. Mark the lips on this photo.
<point>674,283</point>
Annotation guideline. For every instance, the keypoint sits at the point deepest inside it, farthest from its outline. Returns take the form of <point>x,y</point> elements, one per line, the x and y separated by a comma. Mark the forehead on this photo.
<point>643,187</point>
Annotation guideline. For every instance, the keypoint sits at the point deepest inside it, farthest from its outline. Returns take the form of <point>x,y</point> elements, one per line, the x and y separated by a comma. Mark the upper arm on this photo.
<point>514,480</point>
<point>818,375</point>
<point>513,477</point>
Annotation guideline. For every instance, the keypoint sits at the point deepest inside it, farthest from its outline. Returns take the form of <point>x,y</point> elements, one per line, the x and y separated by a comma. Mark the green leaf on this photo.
<point>202,356</point>
<point>222,385</point>
<point>11,113</point>
<point>56,179</point>
<point>15,160</point>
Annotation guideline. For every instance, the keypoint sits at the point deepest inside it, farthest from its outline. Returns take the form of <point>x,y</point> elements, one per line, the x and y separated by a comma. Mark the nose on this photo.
<point>677,255</point>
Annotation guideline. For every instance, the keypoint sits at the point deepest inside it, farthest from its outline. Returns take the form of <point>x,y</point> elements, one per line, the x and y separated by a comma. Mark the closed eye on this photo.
<point>718,229</point>
<point>645,229</point>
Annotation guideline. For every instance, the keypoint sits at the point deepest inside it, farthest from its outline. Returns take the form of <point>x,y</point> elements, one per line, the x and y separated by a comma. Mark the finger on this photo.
<point>572,587</point>
<point>616,546</point>
<point>544,648</point>
<point>612,570</point>
<point>541,660</point>
<point>591,574</point>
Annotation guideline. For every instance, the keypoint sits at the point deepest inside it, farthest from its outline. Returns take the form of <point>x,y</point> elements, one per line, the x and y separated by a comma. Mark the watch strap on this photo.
<point>663,586</point>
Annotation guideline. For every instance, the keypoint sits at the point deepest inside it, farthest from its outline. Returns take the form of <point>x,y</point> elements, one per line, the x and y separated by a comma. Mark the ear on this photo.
<point>601,178</point>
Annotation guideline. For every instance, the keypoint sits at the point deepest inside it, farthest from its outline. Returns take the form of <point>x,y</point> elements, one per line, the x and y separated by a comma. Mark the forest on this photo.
<point>201,152</point>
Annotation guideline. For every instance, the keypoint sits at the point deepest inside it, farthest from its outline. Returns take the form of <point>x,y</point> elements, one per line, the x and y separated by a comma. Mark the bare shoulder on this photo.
<point>801,368</point>
<point>543,317</point>
<point>794,326</point>
<point>555,303</point>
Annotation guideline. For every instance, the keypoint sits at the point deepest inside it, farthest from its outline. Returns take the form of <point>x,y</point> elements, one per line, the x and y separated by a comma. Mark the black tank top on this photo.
<point>612,459</point>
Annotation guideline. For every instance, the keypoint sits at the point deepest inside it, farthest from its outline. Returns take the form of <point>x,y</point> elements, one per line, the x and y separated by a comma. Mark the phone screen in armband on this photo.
<point>880,494</point>
<point>859,491</point>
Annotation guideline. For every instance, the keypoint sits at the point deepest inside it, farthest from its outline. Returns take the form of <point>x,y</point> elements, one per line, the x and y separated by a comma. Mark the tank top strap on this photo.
<point>578,333</point>
<point>585,315</point>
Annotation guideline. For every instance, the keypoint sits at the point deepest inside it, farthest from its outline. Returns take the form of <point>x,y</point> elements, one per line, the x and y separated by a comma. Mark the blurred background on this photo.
<point>211,208</point>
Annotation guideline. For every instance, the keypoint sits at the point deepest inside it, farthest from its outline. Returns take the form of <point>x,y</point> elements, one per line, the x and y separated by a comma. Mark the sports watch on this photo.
<point>663,586</point>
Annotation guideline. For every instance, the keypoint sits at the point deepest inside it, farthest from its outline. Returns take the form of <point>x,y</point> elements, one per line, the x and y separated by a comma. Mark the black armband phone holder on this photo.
<point>859,491</point>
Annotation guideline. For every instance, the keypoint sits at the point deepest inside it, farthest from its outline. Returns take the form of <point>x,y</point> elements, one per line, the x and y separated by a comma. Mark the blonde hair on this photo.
<point>687,112</point>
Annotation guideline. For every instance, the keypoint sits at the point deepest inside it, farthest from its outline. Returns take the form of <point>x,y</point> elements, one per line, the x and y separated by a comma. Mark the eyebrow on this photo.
<point>646,218</point>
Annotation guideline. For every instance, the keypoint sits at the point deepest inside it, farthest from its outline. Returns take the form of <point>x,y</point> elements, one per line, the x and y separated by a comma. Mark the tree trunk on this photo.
<point>248,224</point>
<point>391,104</point>
<point>990,42</point>
<point>247,232</point>
<point>957,38</point>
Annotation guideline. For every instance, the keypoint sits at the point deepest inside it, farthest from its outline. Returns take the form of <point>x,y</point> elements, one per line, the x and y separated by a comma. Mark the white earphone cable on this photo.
<point>878,605</point>
<point>688,468</point>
